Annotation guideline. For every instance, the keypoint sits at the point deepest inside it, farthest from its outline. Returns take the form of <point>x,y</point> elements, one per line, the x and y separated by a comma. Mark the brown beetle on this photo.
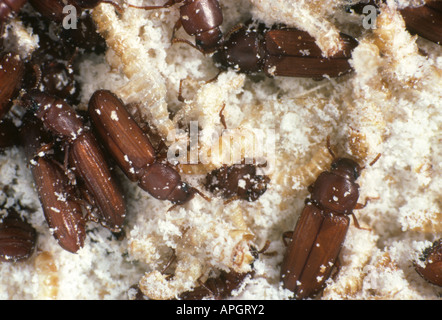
<point>199,18</point>
<point>430,267</point>
<point>133,151</point>
<point>221,287</point>
<point>62,211</point>
<point>84,155</point>
<point>218,288</point>
<point>8,8</point>
<point>426,21</point>
<point>281,52</point>
<point>321,229</point>
<point>17,237</point>
<point>12,71</point>
<point>238,181</point>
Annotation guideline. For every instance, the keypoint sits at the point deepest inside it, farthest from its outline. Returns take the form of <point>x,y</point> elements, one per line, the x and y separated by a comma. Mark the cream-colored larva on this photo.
<point>146,85</point>
<point>47,274</point>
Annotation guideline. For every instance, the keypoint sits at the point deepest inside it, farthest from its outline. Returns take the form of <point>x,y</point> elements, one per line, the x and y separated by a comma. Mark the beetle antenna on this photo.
<point>222,118</point>
<point>201,194</point>
<point>375,159</point>
<point>329,148</point>
<point>116,5</point>
<point>169,262</point>
<point>37,71</point>
<point>175,40</point>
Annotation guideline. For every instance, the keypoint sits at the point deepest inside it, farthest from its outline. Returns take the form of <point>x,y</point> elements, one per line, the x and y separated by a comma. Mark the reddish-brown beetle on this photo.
<point>430,265</point>
<point>217,288</point>
<point>426,21</point>
<point>12,71</point>
<point>84,155</point>
<point>281,52</point>
<point>133,151</point>
<point>238,181</point>
<point>321,229</point>
<point>58,197</point>
<point>17,237</point>
<point>199,18</point>
<point>222,286</point>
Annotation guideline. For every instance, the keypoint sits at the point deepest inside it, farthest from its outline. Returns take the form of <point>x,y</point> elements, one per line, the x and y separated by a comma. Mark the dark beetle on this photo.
<point>217,288</point>
<point>199,18</point>
<point>321,229</point>
<point>58,197</point>
<point>17,237</point>
<point>84,155</point>
<point>133,151</point>
<point>238,181</point>
<point>222,286</point>
<point>281,52</point>
<point>84,36</point>
<point>430,267</point>
<point>12,70</point>
<point>426,21</point>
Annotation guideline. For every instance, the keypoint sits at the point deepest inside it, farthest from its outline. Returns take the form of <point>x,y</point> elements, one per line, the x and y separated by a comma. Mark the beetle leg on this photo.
<point>221,116</point>
<point>175,40</point>
<point>330,148</point>
<point>363,205</point>
<point>231,199</point>
<point>169,263</point>
<point>180,92</point>
<point>202,195</point>
<point>173,207</point>
<point>176,27</point>
<point>264,249</point>
<point>356,223</point>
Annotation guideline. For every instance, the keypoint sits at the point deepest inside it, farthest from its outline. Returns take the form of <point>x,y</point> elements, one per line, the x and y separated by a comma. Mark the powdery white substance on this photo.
<point>390,104</point>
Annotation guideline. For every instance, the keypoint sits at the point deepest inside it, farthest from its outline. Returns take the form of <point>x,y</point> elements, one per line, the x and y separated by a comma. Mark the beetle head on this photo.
<point>347,168</point>
<point>209,42</point>
<point>255,187</point>
<point>243,50</point>
<point>182,193</point>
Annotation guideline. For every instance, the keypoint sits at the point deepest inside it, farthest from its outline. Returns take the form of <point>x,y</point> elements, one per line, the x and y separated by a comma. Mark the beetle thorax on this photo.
<point>335,193</point>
